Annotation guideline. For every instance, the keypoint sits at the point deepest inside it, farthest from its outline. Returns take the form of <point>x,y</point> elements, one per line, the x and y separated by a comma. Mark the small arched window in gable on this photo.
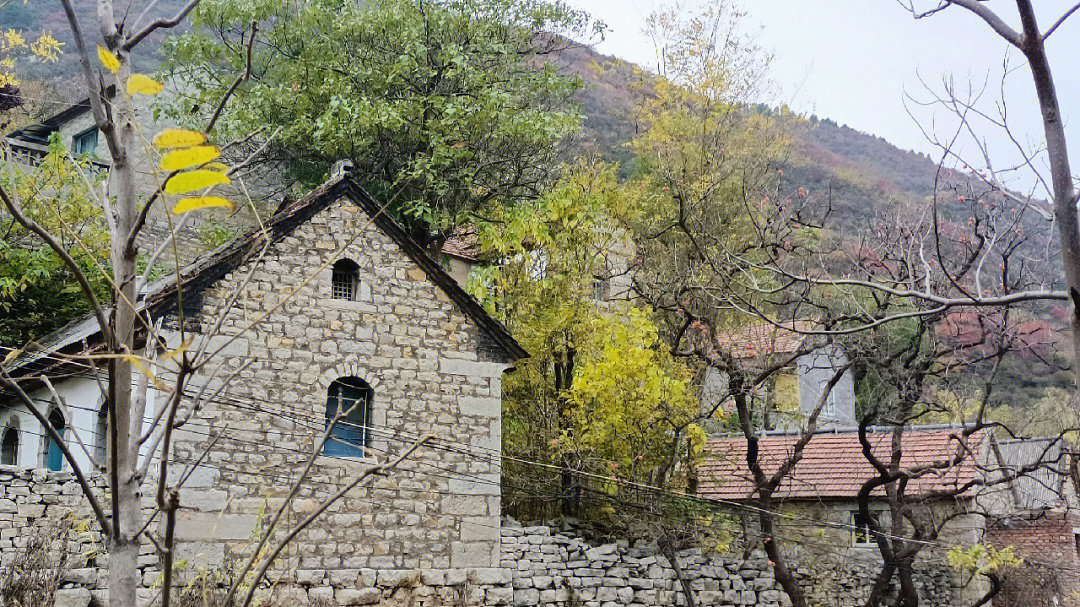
<point>344,280</point>
<point>9,447</point>
<point>54,457</point>
<point>348,401</point>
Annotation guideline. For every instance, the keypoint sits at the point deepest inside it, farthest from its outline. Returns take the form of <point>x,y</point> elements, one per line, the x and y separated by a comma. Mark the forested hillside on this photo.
<point>860,175</point>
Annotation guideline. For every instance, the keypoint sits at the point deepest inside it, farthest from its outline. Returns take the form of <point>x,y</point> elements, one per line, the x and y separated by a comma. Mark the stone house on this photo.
<point>341,306</point>
<point>1034,513</point>
<point>790,395</point>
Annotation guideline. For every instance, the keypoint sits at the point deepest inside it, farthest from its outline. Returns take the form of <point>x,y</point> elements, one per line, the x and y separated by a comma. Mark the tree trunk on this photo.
<point>669,552</point>
<point>124,485</point>
<point>1057,152</point>
<point>780,569</point>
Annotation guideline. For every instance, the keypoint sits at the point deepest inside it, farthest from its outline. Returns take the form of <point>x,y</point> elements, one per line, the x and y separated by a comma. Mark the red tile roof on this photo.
<point>764,338</point>
<point>464,242</point>
<point>833,465</point>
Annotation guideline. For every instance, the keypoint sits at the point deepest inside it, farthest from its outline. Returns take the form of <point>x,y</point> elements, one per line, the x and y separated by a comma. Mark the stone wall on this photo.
<point>561,569</point>
<point>538,567</point>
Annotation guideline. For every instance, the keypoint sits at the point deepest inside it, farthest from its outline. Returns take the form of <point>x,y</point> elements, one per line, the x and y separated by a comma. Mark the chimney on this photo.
<point>341,168</point>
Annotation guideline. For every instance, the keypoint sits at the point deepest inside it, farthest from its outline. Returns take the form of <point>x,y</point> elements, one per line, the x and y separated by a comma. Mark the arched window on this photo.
<point>54,457</point>
<point>349,397</point>
<point>344,280</point>
<point>101,436</point>
<point>9,447</point>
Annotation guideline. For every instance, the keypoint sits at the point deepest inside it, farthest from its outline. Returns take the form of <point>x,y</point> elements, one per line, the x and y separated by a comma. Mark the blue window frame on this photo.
<point>85,142</point>
<point>351,435</point>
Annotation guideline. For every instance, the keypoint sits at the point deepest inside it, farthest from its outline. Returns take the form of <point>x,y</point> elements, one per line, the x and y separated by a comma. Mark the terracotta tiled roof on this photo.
<point>833,465</point>
<point>464,242</point>
<point>764,338</point>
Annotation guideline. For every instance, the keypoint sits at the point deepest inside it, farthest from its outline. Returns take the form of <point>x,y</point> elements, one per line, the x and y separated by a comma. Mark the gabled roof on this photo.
<point>161,296</point>
<point>833,465</point>
<point>764,338</point>
<point>39,132</point>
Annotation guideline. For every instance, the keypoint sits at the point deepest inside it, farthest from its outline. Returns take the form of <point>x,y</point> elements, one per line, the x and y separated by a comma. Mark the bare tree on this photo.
<point>1060,188</point>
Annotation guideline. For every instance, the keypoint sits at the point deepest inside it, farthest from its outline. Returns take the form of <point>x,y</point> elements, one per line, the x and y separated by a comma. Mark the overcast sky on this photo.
<point>853,60</point>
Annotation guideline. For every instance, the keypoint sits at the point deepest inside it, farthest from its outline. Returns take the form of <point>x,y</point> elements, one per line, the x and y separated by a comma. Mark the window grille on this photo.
<point>344,280</point>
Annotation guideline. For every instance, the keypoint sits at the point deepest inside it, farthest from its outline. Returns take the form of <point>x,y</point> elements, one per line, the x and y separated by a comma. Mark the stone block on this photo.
<point>204,500</point>
<point>348,597</point>
<point>526,597</point>
<point>72,597</point>
<point>479,529</point>
<point>489,576</point>
<point>484,407</point>
<point>465,555</point>
<point>397,578</point>
<point>470,368</point>
<point>202,526</point>
<point>496,597</point>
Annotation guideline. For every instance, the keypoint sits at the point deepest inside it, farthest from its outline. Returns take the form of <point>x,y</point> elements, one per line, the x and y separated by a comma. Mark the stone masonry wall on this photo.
<point>431,371</point>
<point>538,567</point>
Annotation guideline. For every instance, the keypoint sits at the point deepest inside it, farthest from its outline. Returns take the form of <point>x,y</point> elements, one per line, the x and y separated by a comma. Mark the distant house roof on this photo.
<point>39,132</point>
<point>464,243</point>
<point>161,296</point>
<point>833,466</point>
<point>765,338</point>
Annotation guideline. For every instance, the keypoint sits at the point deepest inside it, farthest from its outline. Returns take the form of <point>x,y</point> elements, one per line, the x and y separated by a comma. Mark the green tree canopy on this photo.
<point>38,292</point>
<point>442,106</point>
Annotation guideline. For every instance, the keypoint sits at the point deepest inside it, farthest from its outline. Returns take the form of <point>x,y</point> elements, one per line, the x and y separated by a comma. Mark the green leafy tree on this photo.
<point>442,106</point>
<point>600,394</point>
<point>38,292</point>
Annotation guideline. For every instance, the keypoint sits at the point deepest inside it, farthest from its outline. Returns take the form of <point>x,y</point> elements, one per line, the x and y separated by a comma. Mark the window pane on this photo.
<point>350,435</point>
<point>54,457</point>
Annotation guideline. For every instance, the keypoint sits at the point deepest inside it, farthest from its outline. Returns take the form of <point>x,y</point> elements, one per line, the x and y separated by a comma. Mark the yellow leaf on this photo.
<point>194,180</point>
<point>108,59</point>
<point>178,138</point>
<point>144,369</point>
<point>11,355</point>
<point>140,84</point>
<point>178,160</point>
<point>174,354</point>
<point>201,202</point>
<point>216,166</point>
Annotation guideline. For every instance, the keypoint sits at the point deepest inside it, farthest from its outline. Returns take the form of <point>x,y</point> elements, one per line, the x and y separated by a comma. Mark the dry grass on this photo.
<point>32,578</point>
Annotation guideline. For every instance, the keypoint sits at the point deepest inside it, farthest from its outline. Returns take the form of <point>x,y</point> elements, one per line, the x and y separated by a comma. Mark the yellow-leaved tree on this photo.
<point>601,403</point>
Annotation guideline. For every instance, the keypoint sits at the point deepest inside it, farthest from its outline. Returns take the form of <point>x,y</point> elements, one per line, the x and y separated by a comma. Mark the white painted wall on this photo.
<point>81,401</point>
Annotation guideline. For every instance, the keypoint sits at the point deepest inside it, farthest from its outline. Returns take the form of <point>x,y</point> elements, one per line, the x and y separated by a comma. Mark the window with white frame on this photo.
<point>861,530</point>
<point>348,416</point>
<point>828,410</point>
<point>101,436</point>
<point>54,455</point>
